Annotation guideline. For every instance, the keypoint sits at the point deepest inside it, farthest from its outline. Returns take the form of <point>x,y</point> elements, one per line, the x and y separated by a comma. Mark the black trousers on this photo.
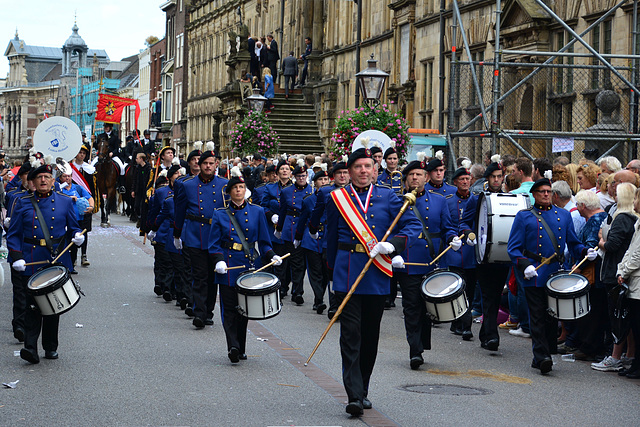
<point>234,324</point>
<point>634,311</point>
<point>188,277</point>
<point>318,274</point>
<point>298,268</point>
<point>289,81</point>
<point>543,327</point>
<point>491,278</point>
<point>19,300</point>
<point>593,328</point>
<point>162,268</point>
<point>180,284</point>
<point>469,276</point>
<point>85,223</point>
<point>35,322</point>
<point>204,288</point>
<point>417,322</point>
<point>394,289</point>
<point>359,335</point>
<point>282,271</point>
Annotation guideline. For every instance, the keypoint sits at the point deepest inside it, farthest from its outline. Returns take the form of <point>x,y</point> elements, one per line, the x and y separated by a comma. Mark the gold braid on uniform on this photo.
<point>150,184</point>
<point>96,200</point>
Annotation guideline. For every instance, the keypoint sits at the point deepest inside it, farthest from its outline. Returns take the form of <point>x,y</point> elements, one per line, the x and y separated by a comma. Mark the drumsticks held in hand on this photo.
<point>546,261</point>
<point>472,236</point>
<point>271,263</point>
<point>58,257</point>
<point>236,267</point>
<point>581,262</point>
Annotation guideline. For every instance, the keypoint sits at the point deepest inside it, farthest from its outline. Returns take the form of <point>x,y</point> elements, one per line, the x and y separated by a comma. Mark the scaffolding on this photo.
<point>572,104</point>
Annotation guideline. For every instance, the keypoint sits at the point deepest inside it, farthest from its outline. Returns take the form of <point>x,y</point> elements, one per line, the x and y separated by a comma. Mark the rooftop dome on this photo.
<point>74,39</point>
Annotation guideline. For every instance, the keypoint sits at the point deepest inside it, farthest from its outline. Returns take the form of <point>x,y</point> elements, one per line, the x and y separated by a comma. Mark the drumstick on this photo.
<point>420,264</point>
<point>56,258</point>
<point>37,263</point>
<point>546,261</point>
<point>581,262</point>
<point>471,236</point>
<point>236,267</point>
<point>271,263</point>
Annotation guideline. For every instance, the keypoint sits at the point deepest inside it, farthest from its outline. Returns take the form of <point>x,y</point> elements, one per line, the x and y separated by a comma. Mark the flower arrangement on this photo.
<point>254,135</point>
<point>351,123</point>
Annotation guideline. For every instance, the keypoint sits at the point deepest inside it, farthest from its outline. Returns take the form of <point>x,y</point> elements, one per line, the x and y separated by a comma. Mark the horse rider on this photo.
<point>114,152</point>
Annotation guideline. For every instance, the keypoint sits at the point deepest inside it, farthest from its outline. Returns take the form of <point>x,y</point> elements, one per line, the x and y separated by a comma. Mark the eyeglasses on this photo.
<point>544,191</point>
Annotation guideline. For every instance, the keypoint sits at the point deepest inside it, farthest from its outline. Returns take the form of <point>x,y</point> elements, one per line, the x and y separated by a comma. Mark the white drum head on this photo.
<point>257,281</point>
<point>442,284</point>
<point>59,137</point>
<point>483,229</point>
<point>567,283</point>
<point>45,278</point>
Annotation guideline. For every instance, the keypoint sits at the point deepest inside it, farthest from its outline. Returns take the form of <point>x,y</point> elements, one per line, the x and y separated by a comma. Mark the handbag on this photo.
<point>621,322</point>
<point>589,272</point>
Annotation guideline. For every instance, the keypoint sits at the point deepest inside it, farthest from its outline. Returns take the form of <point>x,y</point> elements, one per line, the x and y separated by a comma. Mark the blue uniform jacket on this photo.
<point>528,234</point>
<point>195,198</point>
<point>258,194</point>
<point>433,209</point>
<point>347,265</point>
<point>466,256</point>
<point>254,221</point>
<point>60,216</point>
<point>290,209</point>
<point>395,183</point>
<point>271,205</point>
<point>444,189</point>
<point>302,234</point>
<point>15,182</point>
<point>318,214</point>
<point>159,223</point>
<point>167,216</point>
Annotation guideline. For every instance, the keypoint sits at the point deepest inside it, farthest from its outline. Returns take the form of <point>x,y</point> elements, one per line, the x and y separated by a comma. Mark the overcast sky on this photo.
<point>118,26</point>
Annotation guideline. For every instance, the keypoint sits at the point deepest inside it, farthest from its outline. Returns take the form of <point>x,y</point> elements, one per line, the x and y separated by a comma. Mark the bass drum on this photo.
<point>443,292</point>
<point>568,295</point>
<point>494,218</point>
<point>258,295</point>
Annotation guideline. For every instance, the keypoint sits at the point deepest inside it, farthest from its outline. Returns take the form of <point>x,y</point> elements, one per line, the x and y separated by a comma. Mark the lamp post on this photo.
<point>371,82</point>
<point>153,133</point>
<point>255,102</point>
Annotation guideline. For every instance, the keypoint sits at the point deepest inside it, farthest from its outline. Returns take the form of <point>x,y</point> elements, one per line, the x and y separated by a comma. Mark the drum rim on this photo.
<point>566,295</point>
<point>257,292</point>
<point>447,298</point>
<point>60,282</point>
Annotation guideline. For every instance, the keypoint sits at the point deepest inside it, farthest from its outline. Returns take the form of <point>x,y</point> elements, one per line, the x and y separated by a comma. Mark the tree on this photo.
<point>151,40</point>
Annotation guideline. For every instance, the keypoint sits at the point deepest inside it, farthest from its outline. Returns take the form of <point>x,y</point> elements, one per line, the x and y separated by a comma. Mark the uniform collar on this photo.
<point>463,197</point>
<point>205,181</point>
<point>301,187</point>
<point>361,190</point>
<point>436,185</point>
<point>542,208</point>
<point>421,193</point>
<point>43,196</point>
<point>284,186</point>
<point>235,207</point>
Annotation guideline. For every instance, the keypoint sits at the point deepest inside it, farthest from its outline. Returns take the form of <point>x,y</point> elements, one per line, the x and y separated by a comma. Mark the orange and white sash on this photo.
<point>360,228</point>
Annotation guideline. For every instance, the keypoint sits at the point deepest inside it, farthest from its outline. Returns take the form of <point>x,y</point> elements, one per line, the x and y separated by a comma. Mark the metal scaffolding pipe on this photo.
<point>570,54</point>
<point>496,78</point>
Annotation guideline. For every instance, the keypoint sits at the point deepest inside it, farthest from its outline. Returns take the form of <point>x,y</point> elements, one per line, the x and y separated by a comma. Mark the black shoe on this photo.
<point>415,362</point>
<point>297,299</point>
<point>283,293</point>
<point>467,335</point>
<point>243,356</point>
<point>392,304</point>
<point>167,296</point>
<point>366,403</point>
<point>387,305</point>
<point>208,322</point>
<point>491,345</point>
<point>624,371</point>
<point>84,261</point>
<point>198,322</point>
<point>19,334</point>
<point>354,408</point>
<point>157,290</point>
<point>183,303</point>
<point>73,272</point>
<point>189,311</point>
<point>50,354</point>
<point>455,330</point>
<point>633,375</point>
<point>29,356</point>
<point>331,313</point>
<point>234,355</point>
<point>545,365</point>
<point>321,308</point>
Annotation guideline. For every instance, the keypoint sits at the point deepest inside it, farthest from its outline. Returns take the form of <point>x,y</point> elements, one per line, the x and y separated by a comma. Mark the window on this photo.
<point>563,77</point>
<point>179,49</point>
<point>168,101</point>
<point>477,56</point>
<point>428,86</point>
<point>178,101</point>
<point>601,43</point>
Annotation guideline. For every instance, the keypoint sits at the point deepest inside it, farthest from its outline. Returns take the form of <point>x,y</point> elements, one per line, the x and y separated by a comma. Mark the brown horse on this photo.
<point>106,179</point>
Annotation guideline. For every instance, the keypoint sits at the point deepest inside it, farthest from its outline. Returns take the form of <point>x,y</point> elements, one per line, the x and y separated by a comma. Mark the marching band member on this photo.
<point>87,173</point>
<point>537,233</point>
<point>348,250</point>
<point>195,200</point>
<point>162,271</point>
<point>235,230</point>
<point>315,250</point>
<point>463,261</point>
<point>391,176</point>
<point>289,215</point>
<point>43,216</point>
<point>436,170</point>
<point>434,227</point>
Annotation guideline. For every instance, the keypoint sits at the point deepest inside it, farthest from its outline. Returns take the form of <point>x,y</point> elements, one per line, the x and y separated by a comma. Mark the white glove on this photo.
<point>471,242</point>
<point>221,267</point>
<point>314,236</point>
<point>276,260</point>
<point>382,248</point>
<point>7,222</point>
<point>278,234</point>
<point>275,218</point>
<point>592,254</point>
<point>78,239</point>
<point>456,243</point>
<point>177,242</point>
<point>151,235</point>
<point>19,265</point>
<point>397,262</point>
<point>530,272</point>
<point>296,243</point>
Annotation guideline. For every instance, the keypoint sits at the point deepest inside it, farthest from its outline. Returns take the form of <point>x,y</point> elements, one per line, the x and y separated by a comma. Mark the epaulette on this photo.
<point>435,193</point>
<point>308,196</point>
<point>221,209</point>
<point>188,178</point>
<point>170,196</point>
<point>26,196</point>
<point>383,185</point>
<point>448,196</point>
<point>61,194</point>
<point>258,186</point>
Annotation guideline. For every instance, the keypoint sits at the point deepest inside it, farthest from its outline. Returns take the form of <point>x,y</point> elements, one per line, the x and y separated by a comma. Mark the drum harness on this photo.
<point>243,240</point>
<point>426,234</point>
<point>45,231</point>
<point>552,237</point>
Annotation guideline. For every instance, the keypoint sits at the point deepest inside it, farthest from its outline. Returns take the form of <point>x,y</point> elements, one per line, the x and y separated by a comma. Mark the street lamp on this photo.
<point>153,132</point>
<point>371,82</point>
<point>256,102</point>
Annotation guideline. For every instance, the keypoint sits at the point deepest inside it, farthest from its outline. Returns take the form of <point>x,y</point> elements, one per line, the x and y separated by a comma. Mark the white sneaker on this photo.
<point>608,364</point>
<point>519,333</point>
<point>626,361</point>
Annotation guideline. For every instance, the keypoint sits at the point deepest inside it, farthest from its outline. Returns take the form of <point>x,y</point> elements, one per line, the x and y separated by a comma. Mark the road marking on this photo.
<point>323,380</point>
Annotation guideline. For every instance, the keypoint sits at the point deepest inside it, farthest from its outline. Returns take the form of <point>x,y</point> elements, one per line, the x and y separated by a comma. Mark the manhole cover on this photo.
<point>446,389</point>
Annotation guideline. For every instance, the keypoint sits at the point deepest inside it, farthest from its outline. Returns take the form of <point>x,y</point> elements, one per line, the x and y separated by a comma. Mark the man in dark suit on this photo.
<point>272,56</point>
<point>289,70</point>
<point>115,151</point>
<point>305,56</point>
<point>254,64</point>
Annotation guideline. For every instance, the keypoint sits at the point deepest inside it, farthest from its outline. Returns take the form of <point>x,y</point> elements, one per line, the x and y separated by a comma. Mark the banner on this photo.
<point>110,108</point>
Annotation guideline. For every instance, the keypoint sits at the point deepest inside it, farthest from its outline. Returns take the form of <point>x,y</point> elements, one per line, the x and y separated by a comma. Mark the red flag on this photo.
<point>77,177</point>
<point>110,108</point>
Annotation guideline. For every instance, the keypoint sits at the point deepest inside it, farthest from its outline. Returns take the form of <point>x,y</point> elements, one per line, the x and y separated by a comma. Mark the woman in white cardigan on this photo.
<point>629,273</point>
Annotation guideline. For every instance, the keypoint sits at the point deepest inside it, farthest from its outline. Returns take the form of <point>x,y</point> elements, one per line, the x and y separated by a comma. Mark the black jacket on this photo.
<point>618,240</point>
<point>140,179</point>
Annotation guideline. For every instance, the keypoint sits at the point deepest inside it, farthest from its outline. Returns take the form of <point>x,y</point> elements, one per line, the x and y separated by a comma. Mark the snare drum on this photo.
<point>443,292</point>
<point>258,295</point>
<point>53,290</point>
<point>568,295</point>
<point>494,218</point>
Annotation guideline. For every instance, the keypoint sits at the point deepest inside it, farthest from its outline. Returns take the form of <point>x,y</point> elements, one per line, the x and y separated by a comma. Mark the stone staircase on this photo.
<point>295,123</point>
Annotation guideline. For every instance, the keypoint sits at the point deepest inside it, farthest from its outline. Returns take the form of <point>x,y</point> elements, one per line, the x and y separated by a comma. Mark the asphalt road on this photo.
<point>137,360</point>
